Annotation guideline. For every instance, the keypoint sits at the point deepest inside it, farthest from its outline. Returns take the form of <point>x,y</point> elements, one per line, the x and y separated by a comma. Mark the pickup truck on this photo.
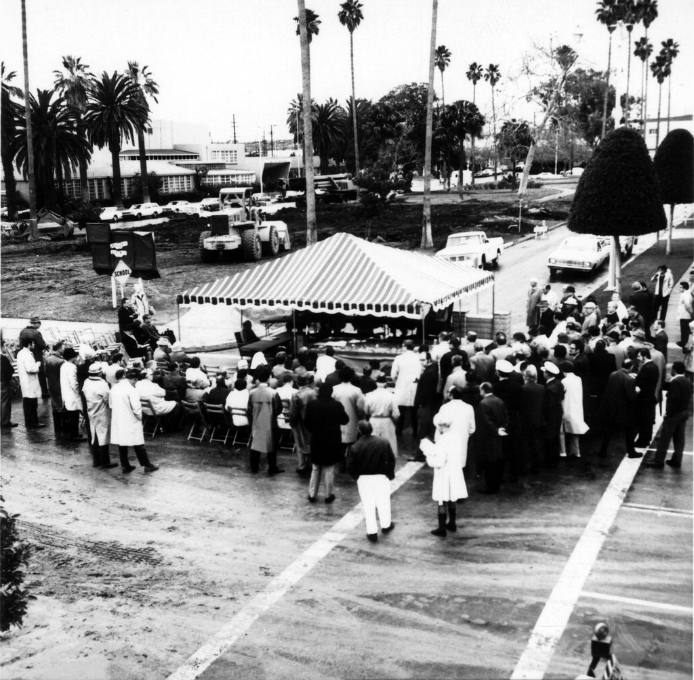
<point>474,248</point>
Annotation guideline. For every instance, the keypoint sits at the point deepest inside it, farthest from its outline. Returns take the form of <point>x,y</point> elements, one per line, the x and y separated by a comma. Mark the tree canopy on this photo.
<point>618,193</point>
<point>674,167</point>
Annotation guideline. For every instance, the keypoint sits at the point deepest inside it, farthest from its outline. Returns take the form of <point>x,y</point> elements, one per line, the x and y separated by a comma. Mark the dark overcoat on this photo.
<point>324,416</point>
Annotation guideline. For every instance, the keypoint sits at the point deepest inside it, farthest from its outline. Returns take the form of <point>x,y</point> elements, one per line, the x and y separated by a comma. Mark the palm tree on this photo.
<point>608,15</point>
<point>492,75</point>
<point>458,122</point>
<point>328,131</point>
<point>660,70</point>
<point>670,50</point>
<point>11,115</point>
<point>475,73</point>
<point>146,86</point>
<point>115,112</point>
<point>643,50</point>
<point>58,145</point>
<point>427,239</point>
<point>442,59</point>
<point>351,16</point>
<point>649,13</point>
<point>33,224</point>
<point>74,83</point>
<point>631,16</point>
<point>308,25</point>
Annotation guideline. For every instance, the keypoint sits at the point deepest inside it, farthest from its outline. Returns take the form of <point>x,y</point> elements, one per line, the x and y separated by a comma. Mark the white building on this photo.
<point>685,122</point>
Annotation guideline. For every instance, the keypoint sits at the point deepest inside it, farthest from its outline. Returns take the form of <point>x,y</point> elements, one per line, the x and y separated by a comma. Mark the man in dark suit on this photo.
<point>602,364</point>
<point>446,363</point>
<point>532,418</point>
<point>554,413</point>
<point>643,303</point>
<point>617,410</point>
<point>679,396</point>
<point>426,403</point>
<point>491,429</point>
<point>660,339</point>
<point>646,385</point>
<point>366,382</point>
<point>509,391</point>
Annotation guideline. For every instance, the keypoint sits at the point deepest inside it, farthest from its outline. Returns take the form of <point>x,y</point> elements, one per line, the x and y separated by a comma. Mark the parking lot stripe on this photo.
<point>684,453</point>
<point>641,603</point>
<point>658,509</point>
<point>196,664</point>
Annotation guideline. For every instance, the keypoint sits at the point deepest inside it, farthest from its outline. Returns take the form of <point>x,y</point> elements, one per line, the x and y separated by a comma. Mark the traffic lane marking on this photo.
<point>659,509</point>
<point>200,660</point>
<point>641,603</point>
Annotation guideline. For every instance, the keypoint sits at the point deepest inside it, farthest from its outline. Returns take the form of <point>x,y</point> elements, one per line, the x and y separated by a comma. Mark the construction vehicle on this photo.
<point>238,226</point>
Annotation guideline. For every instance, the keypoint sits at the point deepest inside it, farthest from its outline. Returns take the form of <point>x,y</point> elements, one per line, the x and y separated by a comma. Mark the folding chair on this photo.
<point>194,415</point>
<point>152,415</point>
<point>242,428</point>
<point>286,433</point>
<point>216,417</point>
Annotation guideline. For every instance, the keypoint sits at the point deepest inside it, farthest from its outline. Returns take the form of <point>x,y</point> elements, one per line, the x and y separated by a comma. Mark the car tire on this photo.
<point>138,216</point>
<point>272,246</point>
<point>497,260</point>
<point>155,215</point>
<point>629,252</point>
<point>206,255</point>
<point>251,248</point>
<point>116,218</point>
<point>552,274</point>
<point>483,263</point>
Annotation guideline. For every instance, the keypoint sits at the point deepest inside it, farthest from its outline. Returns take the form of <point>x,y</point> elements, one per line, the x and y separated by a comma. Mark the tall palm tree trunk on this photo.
<point>494,149</point>
<point>427,239</point>
<point>33,225</point>
<point>354,107</point>
<point>607,89</point>
<point>83,165</point>
<point>144,179</point>
<point>311,228</point>
<point>115,161</point>
<point>669,97</point>
<point>657,130</point>
<point>472,155</point>
<point>626,98</point>
<point>461,165</point>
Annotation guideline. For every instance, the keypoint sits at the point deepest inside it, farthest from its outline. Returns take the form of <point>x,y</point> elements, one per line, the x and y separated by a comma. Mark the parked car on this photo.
<point>175,207</point>
<point>111,214</point>
<point>140,210</point>
<point>473,247</point>
<point>261,199</point>
<point>205,207</point>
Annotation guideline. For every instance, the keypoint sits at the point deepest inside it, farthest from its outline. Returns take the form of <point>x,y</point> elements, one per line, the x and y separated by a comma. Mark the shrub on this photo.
<point>674,167</point>
<point>618,194</point>
<point>14,554</point>
<point>81,211</point>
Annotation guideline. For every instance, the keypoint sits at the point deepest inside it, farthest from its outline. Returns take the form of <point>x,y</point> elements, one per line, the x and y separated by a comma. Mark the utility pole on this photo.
<point>272,142</point>
<point>233,123</point>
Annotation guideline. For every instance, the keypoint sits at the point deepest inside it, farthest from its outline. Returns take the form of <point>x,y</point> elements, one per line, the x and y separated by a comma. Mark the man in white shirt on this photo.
<point>325,364</point>
<point>72,401</point>
<point>664,283</point>
<point>352,400</point>
<point>456,378</point>
<point>168,411</point>
<point>549,296</point>
<point>382,412</point>
<point>117,364</point>
<point>405,373</point>
<point>237,403</point>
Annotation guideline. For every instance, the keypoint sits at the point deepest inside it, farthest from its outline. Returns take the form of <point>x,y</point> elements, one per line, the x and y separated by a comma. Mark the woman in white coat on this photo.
<point>448,457</point>
<point>126,422</point>
<point>573,422</point>
<point>96,394</point>
<point>72,401</point>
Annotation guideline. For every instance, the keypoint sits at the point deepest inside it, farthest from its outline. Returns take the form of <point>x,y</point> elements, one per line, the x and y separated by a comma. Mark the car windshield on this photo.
<point>578,243</point>
<point>136,207</point>
<point>462,240</point>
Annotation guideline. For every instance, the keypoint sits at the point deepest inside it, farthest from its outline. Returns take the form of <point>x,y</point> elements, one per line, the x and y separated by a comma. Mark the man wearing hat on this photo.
<point>32,332</point>
<point>72,400</point>
<point>509,391</point>
<point>161,353</point>
<point>126,421</point>
<point>96,394</point>
<point>554,413</point>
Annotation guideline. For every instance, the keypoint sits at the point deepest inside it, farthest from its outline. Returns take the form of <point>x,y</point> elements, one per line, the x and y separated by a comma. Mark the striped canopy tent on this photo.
<point>347,275</point>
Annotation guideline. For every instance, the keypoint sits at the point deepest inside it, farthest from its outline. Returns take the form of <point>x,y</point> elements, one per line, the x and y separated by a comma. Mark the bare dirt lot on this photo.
<point>55,280</point>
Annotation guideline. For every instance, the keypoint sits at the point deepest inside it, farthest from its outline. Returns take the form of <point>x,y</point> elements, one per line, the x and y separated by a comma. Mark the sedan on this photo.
<point>176,207</point>
<point>579,253</point>
<point>140,210</point>
<point>111,214</point>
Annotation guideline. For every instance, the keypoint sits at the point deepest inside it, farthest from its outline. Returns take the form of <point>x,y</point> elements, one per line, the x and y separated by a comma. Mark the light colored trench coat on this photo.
<point>97,394</point>
<point>126,415</point>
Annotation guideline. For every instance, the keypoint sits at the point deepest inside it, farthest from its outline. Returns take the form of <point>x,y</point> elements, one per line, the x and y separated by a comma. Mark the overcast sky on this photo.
<point>218,58</point>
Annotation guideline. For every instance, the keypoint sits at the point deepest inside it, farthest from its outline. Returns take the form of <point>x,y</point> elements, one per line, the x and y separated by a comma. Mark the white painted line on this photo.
<point>641,603</point>
<point>278,587</point>
<point>657,509</point>
<point>684,453</point>
<point>555,615</point>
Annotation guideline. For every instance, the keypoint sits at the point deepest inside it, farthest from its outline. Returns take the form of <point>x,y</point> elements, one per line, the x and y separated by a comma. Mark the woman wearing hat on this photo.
<point>448,456</point>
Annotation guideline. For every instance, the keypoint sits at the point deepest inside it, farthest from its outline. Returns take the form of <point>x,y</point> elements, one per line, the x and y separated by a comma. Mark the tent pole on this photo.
<point>178,313</point>
<point>296,348</point>
<point>460,311</point>
<point>113,292</point>
<point>493,303</point>
<point>424,337</point>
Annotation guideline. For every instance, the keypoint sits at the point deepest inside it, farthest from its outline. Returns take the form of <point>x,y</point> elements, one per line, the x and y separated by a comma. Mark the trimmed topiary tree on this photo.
<point>674,168</point>
<point>618,194</point>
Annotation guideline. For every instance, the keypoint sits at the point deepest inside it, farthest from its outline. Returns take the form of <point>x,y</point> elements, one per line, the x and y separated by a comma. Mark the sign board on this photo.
<point>121,274</point>
<point>135,249</point>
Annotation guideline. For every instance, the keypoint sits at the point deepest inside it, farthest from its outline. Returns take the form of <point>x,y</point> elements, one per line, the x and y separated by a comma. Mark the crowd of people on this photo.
<point>493,411</point>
